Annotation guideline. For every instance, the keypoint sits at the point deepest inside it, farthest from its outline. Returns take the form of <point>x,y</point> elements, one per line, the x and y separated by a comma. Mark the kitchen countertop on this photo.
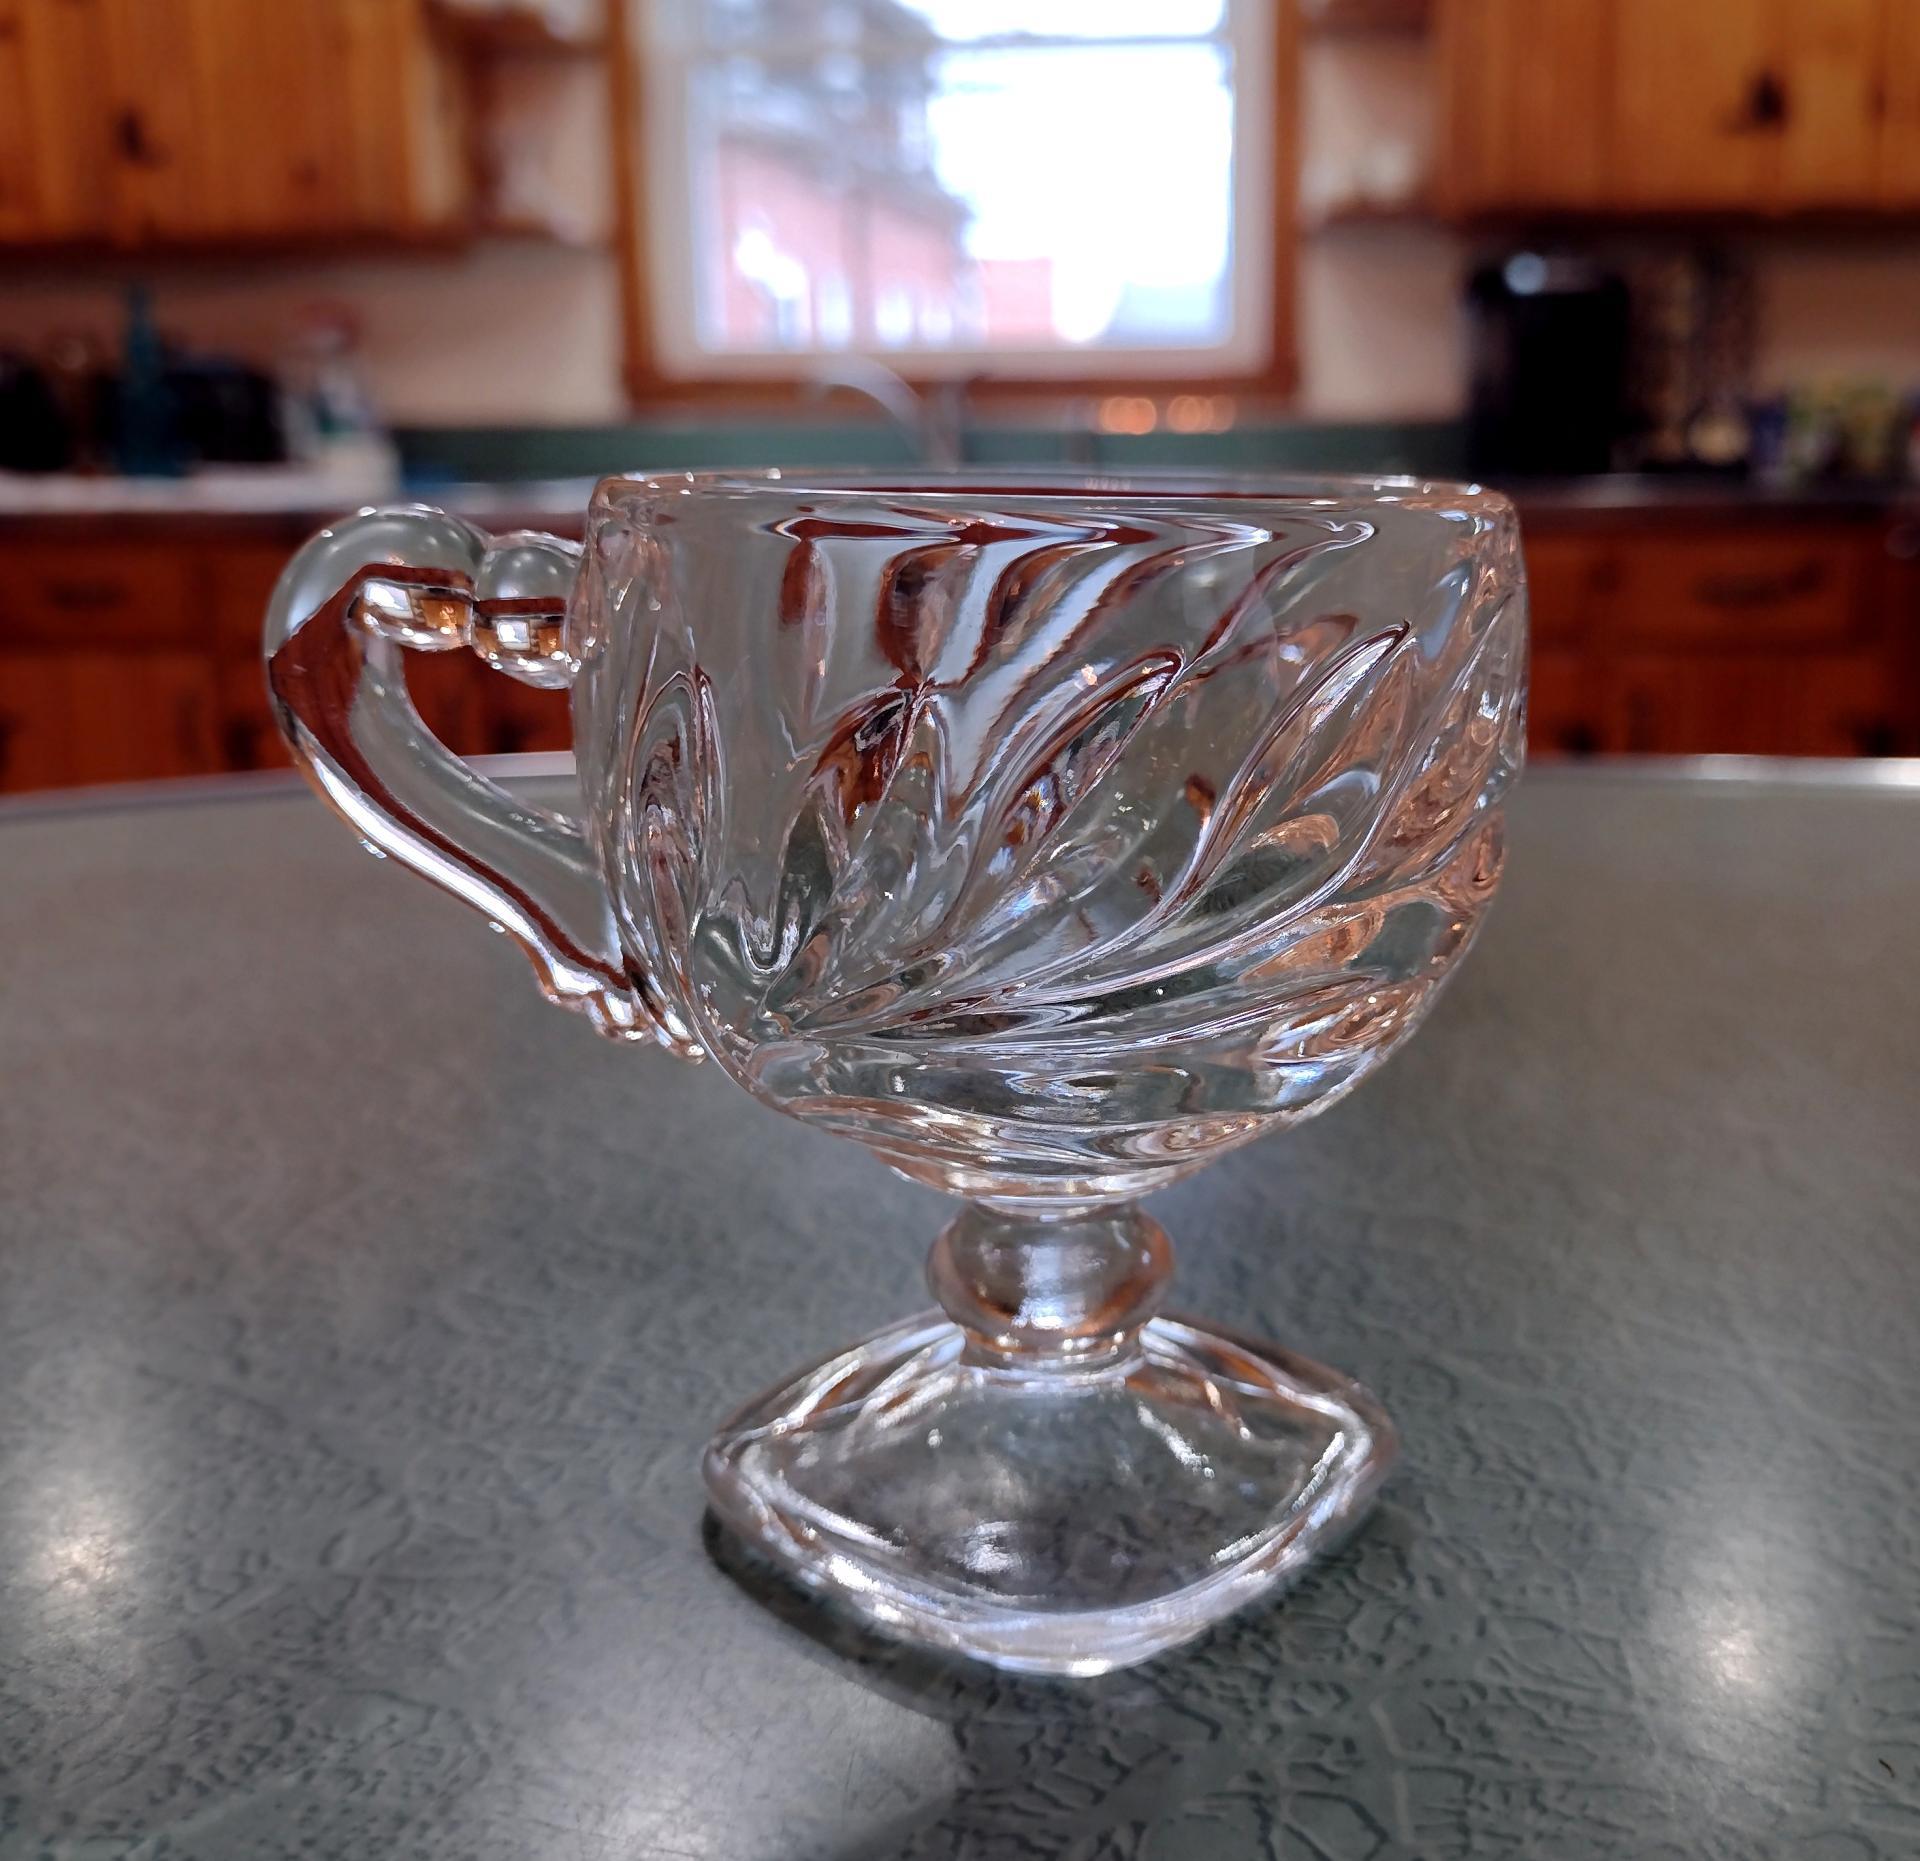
<point>361,1319</point>
<point>1615,493</point>
<point>296,504</point>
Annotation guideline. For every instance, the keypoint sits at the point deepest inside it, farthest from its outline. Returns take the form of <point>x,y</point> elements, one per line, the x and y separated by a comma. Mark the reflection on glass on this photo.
<point>874,174</point>
<point>1048,837</point>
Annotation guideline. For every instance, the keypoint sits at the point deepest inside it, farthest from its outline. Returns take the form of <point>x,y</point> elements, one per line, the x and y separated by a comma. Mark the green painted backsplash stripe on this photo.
<point>440,455</point>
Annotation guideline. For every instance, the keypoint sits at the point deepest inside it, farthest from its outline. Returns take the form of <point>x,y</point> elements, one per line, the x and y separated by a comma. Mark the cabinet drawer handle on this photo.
<point>83,597</point>
<point>1745,591</point>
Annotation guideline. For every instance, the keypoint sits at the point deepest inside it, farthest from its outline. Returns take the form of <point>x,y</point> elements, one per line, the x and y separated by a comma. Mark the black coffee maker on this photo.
<point>1548,346</point>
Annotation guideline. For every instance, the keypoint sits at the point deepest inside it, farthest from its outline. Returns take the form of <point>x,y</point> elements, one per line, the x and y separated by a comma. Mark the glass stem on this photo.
<point>1055,1294</point>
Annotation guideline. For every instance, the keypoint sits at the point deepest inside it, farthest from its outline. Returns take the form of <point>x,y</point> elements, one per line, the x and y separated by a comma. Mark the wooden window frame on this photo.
<point>646,382</point>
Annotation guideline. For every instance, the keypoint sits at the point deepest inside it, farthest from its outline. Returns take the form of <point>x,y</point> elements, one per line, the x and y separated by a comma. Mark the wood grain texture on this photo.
<point>1900,99</point>
<point>228,124</point>
<point>1527,104</point>
<point>1830,52</point>
<point>1792,604</point>
<point>55,131</point>
<point>1685,134</point>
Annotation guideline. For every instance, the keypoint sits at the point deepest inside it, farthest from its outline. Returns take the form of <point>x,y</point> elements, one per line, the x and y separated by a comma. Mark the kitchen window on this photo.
<point>1048,191</point>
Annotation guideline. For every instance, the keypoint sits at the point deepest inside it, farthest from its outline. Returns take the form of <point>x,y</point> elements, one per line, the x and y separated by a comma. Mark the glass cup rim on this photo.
<point>975,484</point>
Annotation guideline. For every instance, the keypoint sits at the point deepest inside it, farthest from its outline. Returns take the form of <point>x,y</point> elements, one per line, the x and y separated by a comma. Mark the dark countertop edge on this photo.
<point>1578,503</point>
<point>1868,774</point>
<point>1598,502</point>
<point>503,506</point>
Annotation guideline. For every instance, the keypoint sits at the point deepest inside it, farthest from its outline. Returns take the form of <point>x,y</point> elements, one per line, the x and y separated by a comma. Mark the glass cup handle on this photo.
<point>343,609</point>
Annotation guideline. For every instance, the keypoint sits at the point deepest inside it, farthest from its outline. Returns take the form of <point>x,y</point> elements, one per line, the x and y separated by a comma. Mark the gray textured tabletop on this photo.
<point>361,1319</point>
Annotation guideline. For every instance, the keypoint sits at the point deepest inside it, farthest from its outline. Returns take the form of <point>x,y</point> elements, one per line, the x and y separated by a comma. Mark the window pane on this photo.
<point>959,20</point>
<point>1081,229</point>
<point>806,24</point>
<point>891,194</point>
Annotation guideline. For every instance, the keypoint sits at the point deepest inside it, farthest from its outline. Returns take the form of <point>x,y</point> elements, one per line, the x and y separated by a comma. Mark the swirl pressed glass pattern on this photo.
<point>1047,838</point>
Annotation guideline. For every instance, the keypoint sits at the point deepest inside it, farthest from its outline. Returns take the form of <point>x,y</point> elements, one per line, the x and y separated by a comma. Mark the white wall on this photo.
<point>510,332</point>
<point>1838,309</point>
<point>1379,324</point>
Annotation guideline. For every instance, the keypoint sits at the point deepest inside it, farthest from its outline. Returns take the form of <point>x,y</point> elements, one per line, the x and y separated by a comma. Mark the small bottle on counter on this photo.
<point>332,426</point>
<point>147,431</point>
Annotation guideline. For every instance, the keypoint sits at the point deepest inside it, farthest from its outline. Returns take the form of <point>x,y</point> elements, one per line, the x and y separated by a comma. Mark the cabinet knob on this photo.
<point>135,144</point>
<point>1767,105</point>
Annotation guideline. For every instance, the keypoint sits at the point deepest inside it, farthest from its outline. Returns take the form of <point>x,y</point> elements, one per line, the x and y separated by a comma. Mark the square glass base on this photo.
<point>1066,1520</point>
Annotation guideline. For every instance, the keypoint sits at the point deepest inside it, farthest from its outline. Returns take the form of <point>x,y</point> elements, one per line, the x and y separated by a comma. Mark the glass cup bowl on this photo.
<point>1048,836</point>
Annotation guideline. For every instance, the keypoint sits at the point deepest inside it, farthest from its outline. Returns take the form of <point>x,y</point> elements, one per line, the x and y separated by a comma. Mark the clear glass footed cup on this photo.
<point>1048,836</point>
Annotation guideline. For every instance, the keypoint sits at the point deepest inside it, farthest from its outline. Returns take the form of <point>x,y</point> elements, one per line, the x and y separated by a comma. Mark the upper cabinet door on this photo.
<point>405,90</point>
<point>55,160</point>
<point>149,123</point>
<point>168,182</point>
<point>1830,55</point>
<point>1527,104</point>
<point>19,176</point>
<point>1899,98</point>
<point>1698,103</point>
<point>279,134</point>
<point>1681,106</point>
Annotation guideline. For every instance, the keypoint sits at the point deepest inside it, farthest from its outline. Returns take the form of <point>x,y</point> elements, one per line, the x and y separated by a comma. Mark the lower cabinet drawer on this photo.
<point>1565,707</point>
<point>73,718</point>
<point>1736,589</point>
<point>135,594</point>
<point>1760,704</point>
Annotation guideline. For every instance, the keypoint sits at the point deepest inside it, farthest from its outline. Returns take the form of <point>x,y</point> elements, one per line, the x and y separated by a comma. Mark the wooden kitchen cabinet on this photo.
<point>55,157</point>
<point>1750,704</point>
<point>1721,636</point>
<point>140,716</point>
<point>1709,107</point>
<point>1692,102</point>
<point>1899,176</point>
<point>1735,588</point>
<point>1530,127</point>
<point>1566,709</point>
<point>106,715</point>
<point>134,653</point>
<point>137,657</point>
<point>137,594</point>
<point>165,182</point>
<point>522,718</point>
<point>1565,575</point>
<point>155,123</point>
<point>36,731</point>
<point>1830,54</point>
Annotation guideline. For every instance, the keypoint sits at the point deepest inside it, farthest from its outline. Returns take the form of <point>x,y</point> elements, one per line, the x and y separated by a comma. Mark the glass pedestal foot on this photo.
<point>1047,1478</point>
